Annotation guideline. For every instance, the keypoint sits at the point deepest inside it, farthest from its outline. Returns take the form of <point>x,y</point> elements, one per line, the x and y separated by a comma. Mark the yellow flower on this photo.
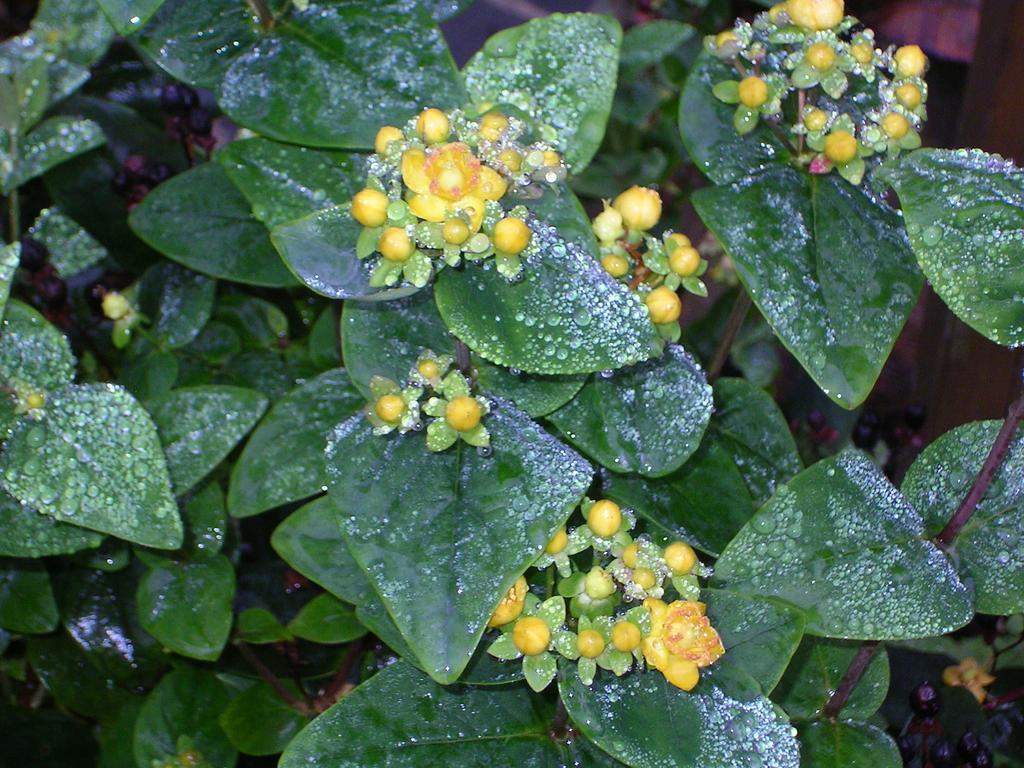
<point>511,604</point>
<point>968,674</point>
<point>447,180</point>
<point>680,632</point>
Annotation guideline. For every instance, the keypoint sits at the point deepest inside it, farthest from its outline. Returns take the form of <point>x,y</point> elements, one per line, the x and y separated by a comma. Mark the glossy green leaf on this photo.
<point>258,626</point>
<point>402,718</point>
<point>964,214</point>
<point>205,521</point>
<point>750,426</point>
<point>989,552</point>
<point>708,133</point>
<point>847,745</point>
<point>433,561</point>
<point>187,702</point>
<point>283,182</point>
<point>51,143</point>
<point>199,426</point>
<point>33,353</point>
<point>30,534</point>
<point>81,29</point>
<point>310,541</point>
<point>644,45</point>
<point>116,735</point>
<point>796,258</point>
<point>679,505</point>
<point>258,722</point>
<point>560,70</point>
<point>324,619</point>
<point>648,419</point>
<point>95,460</point>
<point>128,16</point>
<point>321,78</point>
<point>841,543</point>
<point>759,634</point>
<point>187,605</point>
<point>71,248</point>
<point>816,671</point>
<point>26,599</point>
<point>177,301</point>
<point>385,339</point>
<point>283,461</point>
<point>72,679</point>
<point>200,220</point>
<point>644,721</point>
<point>10,257</point>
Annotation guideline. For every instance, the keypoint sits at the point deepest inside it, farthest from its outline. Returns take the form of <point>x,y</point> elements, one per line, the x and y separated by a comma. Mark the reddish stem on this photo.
<point>854,672</point>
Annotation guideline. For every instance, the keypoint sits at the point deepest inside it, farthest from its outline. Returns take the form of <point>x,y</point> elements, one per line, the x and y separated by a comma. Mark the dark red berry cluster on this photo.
<point>187,120</point>
<point>50,290</point>
<point>137,177</point>
<point>923,744</point>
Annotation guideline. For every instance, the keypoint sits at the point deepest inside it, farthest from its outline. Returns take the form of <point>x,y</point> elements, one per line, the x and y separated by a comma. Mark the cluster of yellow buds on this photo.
<point>601,629</point>
<point>457,413</point>
<point>655,266</point>
<point>119,308</point>
<point>434,193</point>
<point>806,52</point>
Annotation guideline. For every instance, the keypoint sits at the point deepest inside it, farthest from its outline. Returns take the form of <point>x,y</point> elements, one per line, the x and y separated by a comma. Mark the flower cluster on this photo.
<point>612,615</point>
<point>851,100</point>
<point>655,266</point>
<point>456,413</point>
<point>126,316</point>
<point>434,193</point>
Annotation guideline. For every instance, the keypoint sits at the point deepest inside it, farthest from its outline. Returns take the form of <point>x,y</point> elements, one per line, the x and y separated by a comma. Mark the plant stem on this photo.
<point>849,682</point>
<point>272,680</point>
<point>263,13</point>
<point>332,692</point>
<point>462,359</point>
<point>987,474</point>
<point>732,329</point>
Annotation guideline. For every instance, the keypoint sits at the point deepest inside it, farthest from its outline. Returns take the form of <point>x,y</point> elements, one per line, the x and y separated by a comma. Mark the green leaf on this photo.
<point>842,544</point>
<point>26,599</point>
<point>320,250</point>
<point>750,426</point>
<point>426,724</point>
<point>51,143</point>
<point>433,561</point>
<point>283,461</point>
<point>72,679</point>
<point>679,506</point>
<point>80,29</point>
<point>816,671</point>
<point>258,626</point>
<point>964,216</point>
<point>187,605</point>
<point>644,45</point>
<point>30,534</point>
<point>803,260</point>
<point>648,419</point>
<point>324,619</point>
<point>33,353</point>
<point>989,551</point>
<point>560,70</point>
<point>95,460</point>
<point>178,302</point>
<point>205,520</point>
<point>128,16</point>
<point>258,722</point>
<point>847,745</point>
<point>385,339</point>
<point>708,133</point>
<point>284,182</point>
<point>115,737</point>
<point>199,426</point>
<point>644,721</point>
<point>200,220</point>
<point>331,75</point>
<point>186,703</point>
<point>310,541</point>
<point>10,257</point>
<point>71,248</point>
<point>759,634</point>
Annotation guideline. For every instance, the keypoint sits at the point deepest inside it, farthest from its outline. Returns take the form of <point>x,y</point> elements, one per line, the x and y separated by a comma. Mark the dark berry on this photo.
<point>120,183</point>
<point>52,290</point>
<point>864,436</point>
<point>982,758</point>
<point>915,415</point>
<point>158,173</point>
<point>816,419</point>
<point>924,700</point>
<point>944,755</point>
<point>177,99</point>
<point>869,417</point>
<point>908,747</point>
<point>135,167</point>
<point>33,254</point>
<point>969,745</point>
<point>200,122</point>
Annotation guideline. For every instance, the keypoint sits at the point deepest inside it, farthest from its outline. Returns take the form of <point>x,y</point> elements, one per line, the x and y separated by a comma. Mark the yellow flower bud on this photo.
<point>511,159</point>
<point>455,231</point>
<point>821,56</point>
<point>776,11</point>
<point>815,14</point>
<point>724,37</point>
<point>663,305</point>
<point>644,577</point>
<point>680,557</point>
<point>558,542</point>
<point>895,125</point>
<point>684,261</point>
<point>607,225</point>
<point>552,158</point>
<point>910,61</point>
<point>390,408</point>
<point>115,306</point>
<point>598,584</point>
<point>626,636</point>
<point>370,207</point>
<point>629,555</point>
<point>384,137</point>
<point>815,120</point>
<point>679,240</point>
<point>681,673</point>
<point>640,207</point>
<point>531,636</point>
<point>492,125</point>
<point>909,95</point>
<point>35,400</point>
<point>615,265</point>
<point>862,53</point>
<point>604,518</point>
<point>511,235</point>
<point>511,605</point>
<point>589,643</point>
<point>463,413</point>
<point>840,147</point>
<point>395,244</point>
<point>432,125</point>
<point>753,92</point>
<point>428,369</point>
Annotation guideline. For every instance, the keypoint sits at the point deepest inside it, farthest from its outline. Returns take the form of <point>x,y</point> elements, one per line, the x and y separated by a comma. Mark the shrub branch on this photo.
<point>854,673</point>
<point>732,328</point>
